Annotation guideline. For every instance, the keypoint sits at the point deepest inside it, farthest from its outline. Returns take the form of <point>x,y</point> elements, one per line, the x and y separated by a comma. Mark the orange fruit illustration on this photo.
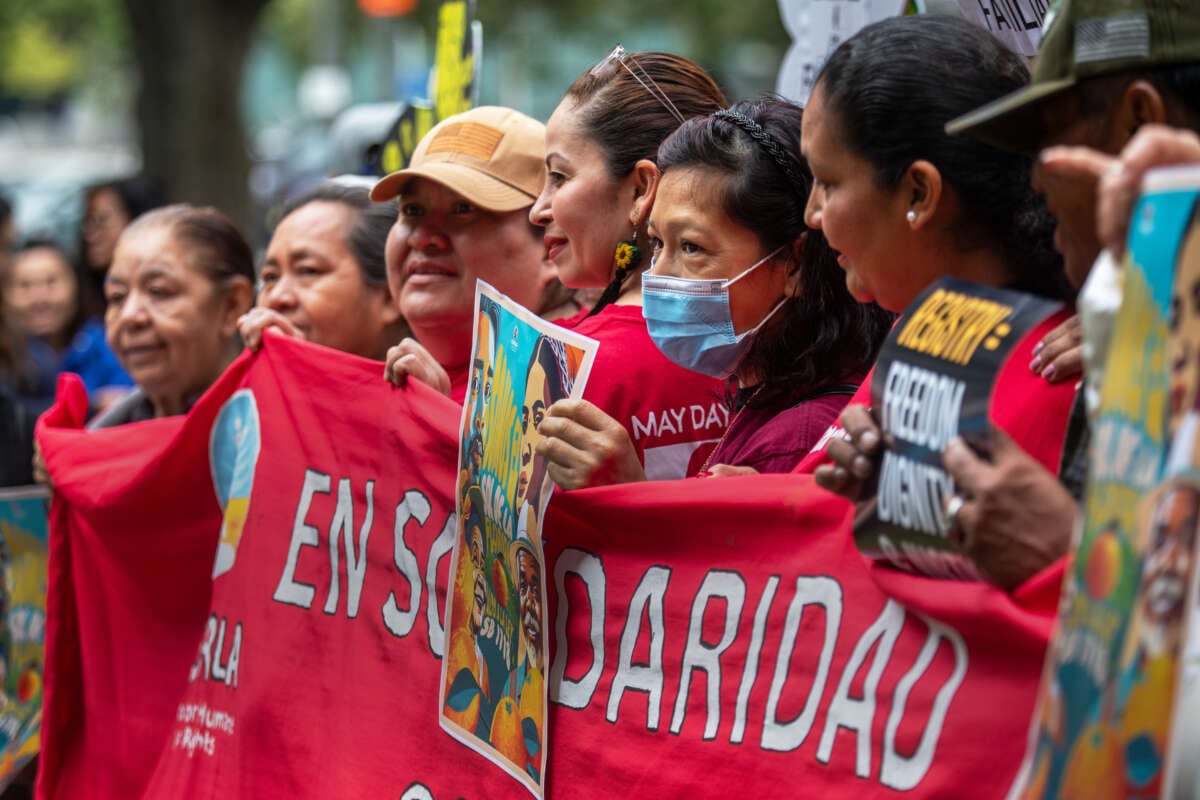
<point>28,685</point>
<point>531,699</point>
<point>1103,565</point>
<point>506,732</point>
<point>1095,769</point>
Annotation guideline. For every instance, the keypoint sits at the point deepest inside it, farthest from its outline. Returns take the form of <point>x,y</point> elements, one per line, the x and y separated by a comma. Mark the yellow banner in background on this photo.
<point>455,85</point>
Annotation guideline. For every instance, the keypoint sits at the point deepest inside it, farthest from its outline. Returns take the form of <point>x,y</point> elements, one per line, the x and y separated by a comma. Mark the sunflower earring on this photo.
<point>627,254</point>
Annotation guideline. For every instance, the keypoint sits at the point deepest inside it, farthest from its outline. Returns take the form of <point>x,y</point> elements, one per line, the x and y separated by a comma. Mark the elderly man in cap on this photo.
<point>1105,70</point>
<point>463,214</point>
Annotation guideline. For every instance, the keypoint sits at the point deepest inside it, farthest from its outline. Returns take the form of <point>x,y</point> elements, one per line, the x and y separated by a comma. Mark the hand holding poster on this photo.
<point>493,681</point>
<point>934,380</point>
<point>1106,696</point>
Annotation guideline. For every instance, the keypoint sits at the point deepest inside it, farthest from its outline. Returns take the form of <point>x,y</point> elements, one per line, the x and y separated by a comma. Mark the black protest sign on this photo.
<point>934,380</point>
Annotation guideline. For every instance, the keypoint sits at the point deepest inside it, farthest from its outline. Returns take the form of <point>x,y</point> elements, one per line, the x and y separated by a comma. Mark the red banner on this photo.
<point>711,636</point>
<point>725,634</point>
<point>133,525</point>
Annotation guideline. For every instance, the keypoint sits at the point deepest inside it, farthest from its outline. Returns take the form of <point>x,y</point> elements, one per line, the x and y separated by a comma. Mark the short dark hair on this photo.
<point>214,245</point>
<point>367,237</point>
<point>824,336</point>
<point>136,193</point>
<point>891,89</point>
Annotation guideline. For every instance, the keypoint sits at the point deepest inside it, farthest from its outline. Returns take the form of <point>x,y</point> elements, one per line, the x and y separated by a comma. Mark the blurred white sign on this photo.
<point>1017,23</point>
<point>817,27</point>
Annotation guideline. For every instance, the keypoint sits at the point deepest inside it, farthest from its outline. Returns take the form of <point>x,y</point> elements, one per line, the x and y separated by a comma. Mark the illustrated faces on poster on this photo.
<point>529,593</point>
<point>479,592</point>
<point>1169,554</point>
<point>1184,344</point>
<point>533,411</point>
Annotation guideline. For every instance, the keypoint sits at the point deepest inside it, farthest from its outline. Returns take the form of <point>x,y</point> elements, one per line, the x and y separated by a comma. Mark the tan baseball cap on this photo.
<point>1083,39</point>
<point>494,157</point>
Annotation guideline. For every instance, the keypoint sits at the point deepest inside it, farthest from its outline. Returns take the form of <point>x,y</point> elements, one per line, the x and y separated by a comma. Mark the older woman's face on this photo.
<point>311,277</point>
<point>171,328</point>
<point>866,225</point>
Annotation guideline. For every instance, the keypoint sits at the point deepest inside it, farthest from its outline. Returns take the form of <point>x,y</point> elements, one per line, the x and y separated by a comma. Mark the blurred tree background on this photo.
<point>235,102</point>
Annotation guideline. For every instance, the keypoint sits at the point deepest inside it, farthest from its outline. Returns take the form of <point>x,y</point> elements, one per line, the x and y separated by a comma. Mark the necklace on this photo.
<point>732,422</point>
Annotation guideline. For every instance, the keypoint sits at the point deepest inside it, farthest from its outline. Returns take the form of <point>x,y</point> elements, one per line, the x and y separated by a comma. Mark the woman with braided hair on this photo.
<point>601,142</point>
<point>740,289</point>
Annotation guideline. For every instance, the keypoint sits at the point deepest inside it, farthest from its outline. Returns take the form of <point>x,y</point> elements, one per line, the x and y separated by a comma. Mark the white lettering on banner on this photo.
<point>589,569</point>
<point>208,664</point>
<point>199,722</point>
<point>855,714</point>
<point>418,791</point>
<point>750,672</point>
<point>684,419</point>
<point>356,565</point>
<point>647,601</point>
<point>435,612</point>
<point>400,623</point>
<point>291,591</point>
<point>414,506</point>
<point>697,655</point>
<point>824,592</point>
<point>904,773</point>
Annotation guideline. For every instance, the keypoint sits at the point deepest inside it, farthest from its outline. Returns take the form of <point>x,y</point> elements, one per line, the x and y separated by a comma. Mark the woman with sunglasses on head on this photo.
<point>641,414</point>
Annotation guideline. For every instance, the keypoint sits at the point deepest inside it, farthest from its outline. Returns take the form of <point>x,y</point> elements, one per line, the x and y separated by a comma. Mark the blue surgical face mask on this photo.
<point>691,322</point>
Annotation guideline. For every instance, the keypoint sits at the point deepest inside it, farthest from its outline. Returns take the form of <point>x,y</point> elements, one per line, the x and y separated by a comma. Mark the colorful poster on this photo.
<point>23,560</point>
<point>1106,695</point>
<point>493,694</point>
<point>1170,596</point>
<point>934,380</point>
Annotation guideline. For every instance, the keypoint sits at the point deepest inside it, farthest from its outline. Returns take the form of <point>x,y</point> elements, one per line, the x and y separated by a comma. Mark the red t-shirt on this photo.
<point>1026,407</point>
<point>776,441</point>
<point>668,410</point>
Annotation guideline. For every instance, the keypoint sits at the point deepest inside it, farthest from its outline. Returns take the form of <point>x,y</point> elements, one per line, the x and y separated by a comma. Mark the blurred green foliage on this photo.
<point>49,47</point>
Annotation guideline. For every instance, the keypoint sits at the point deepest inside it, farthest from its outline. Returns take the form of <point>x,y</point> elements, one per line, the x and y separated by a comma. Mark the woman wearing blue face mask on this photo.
<point>741,287</point>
